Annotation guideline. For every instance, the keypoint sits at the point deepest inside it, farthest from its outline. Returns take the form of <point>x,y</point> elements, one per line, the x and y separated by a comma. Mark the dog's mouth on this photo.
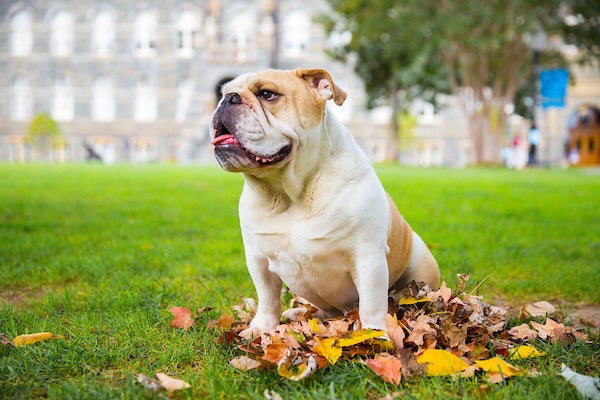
<point>225,140</point>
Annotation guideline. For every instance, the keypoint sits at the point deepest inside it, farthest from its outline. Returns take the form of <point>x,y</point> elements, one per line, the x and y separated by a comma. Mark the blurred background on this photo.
<point>431,83</point>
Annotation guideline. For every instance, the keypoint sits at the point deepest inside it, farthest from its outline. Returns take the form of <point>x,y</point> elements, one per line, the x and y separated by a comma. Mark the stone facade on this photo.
<point>132,81</point>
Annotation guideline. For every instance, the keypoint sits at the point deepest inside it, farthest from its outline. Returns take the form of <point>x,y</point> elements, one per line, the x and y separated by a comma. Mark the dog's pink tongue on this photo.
<point>224,139</point>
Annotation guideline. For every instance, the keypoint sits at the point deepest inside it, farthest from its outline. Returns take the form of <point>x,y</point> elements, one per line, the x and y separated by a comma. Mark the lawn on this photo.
<point>99,254</point>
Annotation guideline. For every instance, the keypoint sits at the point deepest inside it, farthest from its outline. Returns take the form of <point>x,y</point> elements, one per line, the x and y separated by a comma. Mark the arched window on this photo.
<point>20,34</point>
<point>63,103</point>
<point>296,35</point>
<point>145,29</point>
<point>240,30</point>
<point>61,34</point>
<point>21,100</point>
<point>103,100</point>
<point>185,91</point>
<point>145,103</point>
<point>187,27</point>
<point>103,33</point>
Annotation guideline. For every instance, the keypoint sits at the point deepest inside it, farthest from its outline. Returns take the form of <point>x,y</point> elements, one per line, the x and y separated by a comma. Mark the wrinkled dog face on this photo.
<point>247,128</point>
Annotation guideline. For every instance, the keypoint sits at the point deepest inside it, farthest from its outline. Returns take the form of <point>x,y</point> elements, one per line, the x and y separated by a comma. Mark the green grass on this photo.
<point>98,254</point>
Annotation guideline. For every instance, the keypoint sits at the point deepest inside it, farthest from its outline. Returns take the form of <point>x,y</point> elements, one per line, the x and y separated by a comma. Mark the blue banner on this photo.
<point>554,87</point>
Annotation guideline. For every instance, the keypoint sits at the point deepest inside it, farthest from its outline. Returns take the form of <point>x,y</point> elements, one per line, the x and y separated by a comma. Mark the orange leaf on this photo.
<point>182,318</point>
<point>496,365</point>
<point>24,340</point>
<point>441,362</point>
<point>387,367</point>
<point>275,352</point>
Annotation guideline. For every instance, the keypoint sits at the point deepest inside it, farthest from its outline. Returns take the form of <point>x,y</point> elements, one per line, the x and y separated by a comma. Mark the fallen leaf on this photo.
<point>387,367</point>
<point>443,292</point>
<point>395,331</point>
<point>148,382</point>
<point>496,365</point>
<point>326,347</point>
<point>314,325</point>
<point>296,367</point>
<point>24,340</point>
<point>171,384</point>
<point>274,352</point>
<point>358,337</point>
<point>5,341</point>
<point>182,318</point>
<point>522,352</point>
<point>523,332</point>
<point>420,328</point>
<point>539,309</point>
<point>441,362</point>
<point>407,301</point>
<point>272,395</point>
<point>244,363</point>
<point>549,330</point>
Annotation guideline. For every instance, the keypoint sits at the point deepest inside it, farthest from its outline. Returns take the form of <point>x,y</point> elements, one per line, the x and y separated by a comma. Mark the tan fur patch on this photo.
<point>399,242</point>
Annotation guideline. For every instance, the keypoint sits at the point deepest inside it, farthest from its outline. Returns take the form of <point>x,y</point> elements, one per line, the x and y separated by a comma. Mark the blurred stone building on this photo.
<point>132,81</point>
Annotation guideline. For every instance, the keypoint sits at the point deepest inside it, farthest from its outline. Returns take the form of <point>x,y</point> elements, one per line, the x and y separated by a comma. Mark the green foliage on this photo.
<point>100,254</point>
<point>42,126</point>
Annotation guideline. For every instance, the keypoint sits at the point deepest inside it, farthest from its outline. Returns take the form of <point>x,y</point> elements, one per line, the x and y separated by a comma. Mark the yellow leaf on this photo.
<point>441,362</point>
<point>411,300</point>
<point>296,368</point>
<point>327,348</point>
<point>358,337</point>
<point>24,340</point>
<point>522,352</point>
<point>313,323</point>
<point>496,365</point>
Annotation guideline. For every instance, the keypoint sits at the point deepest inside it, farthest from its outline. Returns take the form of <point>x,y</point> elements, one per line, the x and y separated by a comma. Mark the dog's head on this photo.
<point>262,119</point>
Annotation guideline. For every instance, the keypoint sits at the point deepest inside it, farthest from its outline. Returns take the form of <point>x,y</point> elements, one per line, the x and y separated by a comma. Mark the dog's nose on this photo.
<point>233,98</point>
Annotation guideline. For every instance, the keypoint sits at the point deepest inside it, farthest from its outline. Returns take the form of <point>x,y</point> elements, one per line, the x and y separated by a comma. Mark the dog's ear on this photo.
<point>321,81</point>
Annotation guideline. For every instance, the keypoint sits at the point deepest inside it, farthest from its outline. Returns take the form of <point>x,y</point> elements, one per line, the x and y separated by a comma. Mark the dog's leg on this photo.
<point>422,266</point>
<point>371,282</point>
<point>268,290</point>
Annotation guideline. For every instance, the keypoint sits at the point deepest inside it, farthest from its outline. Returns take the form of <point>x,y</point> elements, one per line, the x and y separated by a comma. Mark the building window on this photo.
<point>21,100</point>
<point>61,34</point>
<point>145,102</point>
<point>103,100</point>
<point>145,30</point>
<point>296,35</point>
<point>103,33</point>
<point>185,91</point>
<point>187,27</point>
<point>21,34</point>
<point>63,103</point>
<point>240,31</point>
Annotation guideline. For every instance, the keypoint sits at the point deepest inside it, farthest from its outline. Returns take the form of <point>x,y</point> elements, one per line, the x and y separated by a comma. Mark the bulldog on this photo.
<point>313,213</point>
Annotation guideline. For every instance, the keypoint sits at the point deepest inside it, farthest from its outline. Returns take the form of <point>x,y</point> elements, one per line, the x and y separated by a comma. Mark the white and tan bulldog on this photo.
<point>313,213</point>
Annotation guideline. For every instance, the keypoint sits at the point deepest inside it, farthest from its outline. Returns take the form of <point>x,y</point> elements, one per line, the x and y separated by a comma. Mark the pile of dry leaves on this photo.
<point>430,332</point>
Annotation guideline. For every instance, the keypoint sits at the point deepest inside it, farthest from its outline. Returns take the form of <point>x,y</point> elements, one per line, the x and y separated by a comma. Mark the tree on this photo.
<point>482,50</point>
<point>44,132</point>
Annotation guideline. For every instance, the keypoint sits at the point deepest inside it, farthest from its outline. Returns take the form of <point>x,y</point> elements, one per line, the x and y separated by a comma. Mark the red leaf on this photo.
<point>387,367</point>
<point>182,317</point>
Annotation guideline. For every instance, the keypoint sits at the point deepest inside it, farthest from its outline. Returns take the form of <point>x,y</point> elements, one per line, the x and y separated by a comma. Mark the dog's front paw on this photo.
<point>258,326</point>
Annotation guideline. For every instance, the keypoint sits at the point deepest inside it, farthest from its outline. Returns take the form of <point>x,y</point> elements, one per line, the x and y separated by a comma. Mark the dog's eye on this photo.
<point>268,95</point>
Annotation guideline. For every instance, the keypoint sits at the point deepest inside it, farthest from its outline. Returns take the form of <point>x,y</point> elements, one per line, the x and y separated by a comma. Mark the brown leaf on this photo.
<point>420,328</point>
<point>182,318</point>
<point>244,363</point>
<point>5,341</point>
<point>523,332</point>
<point>410,366</point>
<point>539,309</point>
<point>548,329</point>
<point>443,292</point>
<point>171,384</point>
<point>395,331</point>
<point>387,367</point>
